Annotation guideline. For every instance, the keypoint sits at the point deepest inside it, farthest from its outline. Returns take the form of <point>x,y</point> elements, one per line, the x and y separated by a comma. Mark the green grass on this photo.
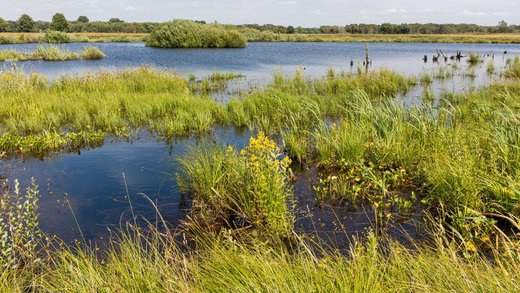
<point>155,263</point>
<point>91,53</point>
<point>51,53</point>
<point>246,189</point>
<point>513,68</point>
<point>459,159</point>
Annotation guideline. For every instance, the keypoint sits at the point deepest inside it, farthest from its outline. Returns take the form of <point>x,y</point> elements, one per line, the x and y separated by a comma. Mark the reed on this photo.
<point>51,53</point>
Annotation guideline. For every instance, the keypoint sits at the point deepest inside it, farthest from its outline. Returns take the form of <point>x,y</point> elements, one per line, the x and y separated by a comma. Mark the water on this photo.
<point>259,60</point>
<point>93,184</point>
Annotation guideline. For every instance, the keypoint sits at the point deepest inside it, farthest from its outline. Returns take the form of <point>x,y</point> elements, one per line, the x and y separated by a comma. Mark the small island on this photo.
<point>191,34</point>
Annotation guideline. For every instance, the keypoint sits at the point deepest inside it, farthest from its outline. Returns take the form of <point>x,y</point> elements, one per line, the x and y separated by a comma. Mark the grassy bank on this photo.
<point>223,265</point>
<point>258,36</point>
<point>399,38</point>
<point>25,38</point>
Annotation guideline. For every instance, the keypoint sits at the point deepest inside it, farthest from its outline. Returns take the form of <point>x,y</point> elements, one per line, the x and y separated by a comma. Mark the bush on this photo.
<point>56,37</point>
<point>92,53</point>
<point>189,34</point>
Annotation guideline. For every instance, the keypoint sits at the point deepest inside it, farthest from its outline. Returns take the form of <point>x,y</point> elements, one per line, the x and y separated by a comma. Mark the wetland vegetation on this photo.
<point>51,53</point>
<point>454,157</point>
<point>190,34</point>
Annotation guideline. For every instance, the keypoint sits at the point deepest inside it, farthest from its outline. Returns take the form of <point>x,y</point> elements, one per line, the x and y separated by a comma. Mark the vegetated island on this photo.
<point>52,53</point>
<point>190,34</point>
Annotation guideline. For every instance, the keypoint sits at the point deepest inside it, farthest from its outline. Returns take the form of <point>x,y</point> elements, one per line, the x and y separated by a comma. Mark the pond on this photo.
<point>85,194</point>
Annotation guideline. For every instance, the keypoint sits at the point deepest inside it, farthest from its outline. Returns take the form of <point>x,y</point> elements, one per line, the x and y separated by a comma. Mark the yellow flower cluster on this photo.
<point>262,149</point>
<point>261,144</point>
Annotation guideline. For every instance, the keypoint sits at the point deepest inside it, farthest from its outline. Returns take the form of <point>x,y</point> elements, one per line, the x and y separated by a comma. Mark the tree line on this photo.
<point>25,23</point>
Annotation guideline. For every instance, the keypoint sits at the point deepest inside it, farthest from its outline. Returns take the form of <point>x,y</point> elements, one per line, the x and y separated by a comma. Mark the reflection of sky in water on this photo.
<point>259,60</point>
<point>94,184</point>
<point>93,180</point>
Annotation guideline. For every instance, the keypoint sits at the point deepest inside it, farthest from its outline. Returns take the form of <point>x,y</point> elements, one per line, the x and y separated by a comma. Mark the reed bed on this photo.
<point>51,53</point>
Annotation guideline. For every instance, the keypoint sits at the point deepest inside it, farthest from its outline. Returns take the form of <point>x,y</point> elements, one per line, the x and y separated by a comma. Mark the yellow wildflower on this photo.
<point>471,247</point>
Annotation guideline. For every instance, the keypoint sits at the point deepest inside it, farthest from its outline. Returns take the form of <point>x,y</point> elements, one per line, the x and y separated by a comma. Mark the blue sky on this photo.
<point>285,12</point>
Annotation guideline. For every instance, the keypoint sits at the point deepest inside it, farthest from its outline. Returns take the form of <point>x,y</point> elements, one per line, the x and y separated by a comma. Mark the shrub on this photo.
<point>56,37</point>
<point>92,53</point>
<point>189,34</point>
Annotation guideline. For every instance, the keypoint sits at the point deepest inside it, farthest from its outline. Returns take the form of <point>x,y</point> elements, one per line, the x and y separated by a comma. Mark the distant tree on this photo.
<point>25,23</point>
<point>388,28</point>
<point>83,19</point>
<point>4,25</point>
<point>403,29</point>
<point>329,29</point>
<point>115,20</point>
<point>40,26</point>
<point>59,23</point>
<point>503,27</point>
<point>290,29</point>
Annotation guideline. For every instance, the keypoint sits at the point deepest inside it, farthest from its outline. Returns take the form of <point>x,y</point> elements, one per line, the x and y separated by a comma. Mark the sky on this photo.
<point>305,13</point>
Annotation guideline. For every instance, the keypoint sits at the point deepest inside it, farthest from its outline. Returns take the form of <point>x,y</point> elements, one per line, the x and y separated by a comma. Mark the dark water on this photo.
<point>90,188</point>
<point>93,184</point>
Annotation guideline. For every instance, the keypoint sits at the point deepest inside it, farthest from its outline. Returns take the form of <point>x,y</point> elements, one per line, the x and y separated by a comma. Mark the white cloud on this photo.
<point>468,13</point>
<point>295,12</point>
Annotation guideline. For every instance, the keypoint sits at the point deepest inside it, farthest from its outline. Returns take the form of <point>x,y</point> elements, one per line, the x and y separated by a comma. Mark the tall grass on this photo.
<point>91,53</point>
<point>51,53</point>
<point>156,263</point>
<point>240,189</point>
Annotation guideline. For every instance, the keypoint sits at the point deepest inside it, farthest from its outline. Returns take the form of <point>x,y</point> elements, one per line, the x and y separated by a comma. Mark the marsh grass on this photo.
<point>246,189</point>
<point>154,262</point>
<point>474,59</point>
<point>91,53</point>
<point>513,68</point>
<point>51,53</point>
<point>459,155</point>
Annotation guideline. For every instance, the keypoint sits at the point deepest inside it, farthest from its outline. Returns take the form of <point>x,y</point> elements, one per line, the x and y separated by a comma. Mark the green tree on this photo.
<point>503,27</point>
<point>4,25</point>
<point>290,29</point>
<point>59,23</point>
<point>25,23</point>
<point>83,19</point>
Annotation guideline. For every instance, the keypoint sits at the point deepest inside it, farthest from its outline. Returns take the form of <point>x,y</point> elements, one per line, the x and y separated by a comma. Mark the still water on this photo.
<point>259,60</point>
<point>87,191</point>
